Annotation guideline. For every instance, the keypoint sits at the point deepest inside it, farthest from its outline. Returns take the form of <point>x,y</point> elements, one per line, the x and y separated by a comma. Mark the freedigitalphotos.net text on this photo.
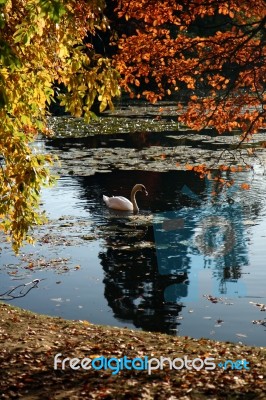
<point>145,363</point>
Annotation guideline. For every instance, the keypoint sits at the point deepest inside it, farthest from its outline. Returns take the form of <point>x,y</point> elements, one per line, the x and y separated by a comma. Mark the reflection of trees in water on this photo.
<point>135,290</point>
<point>135,287</point>
<point>224,244</point>
<point>164,189</point>
<point>146,286</point>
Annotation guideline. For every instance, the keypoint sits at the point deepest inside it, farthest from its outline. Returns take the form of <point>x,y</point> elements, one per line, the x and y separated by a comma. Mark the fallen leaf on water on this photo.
<point>245,186</point>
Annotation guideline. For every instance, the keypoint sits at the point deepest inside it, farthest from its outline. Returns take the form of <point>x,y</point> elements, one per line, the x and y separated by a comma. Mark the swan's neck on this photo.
<point>133,200</point>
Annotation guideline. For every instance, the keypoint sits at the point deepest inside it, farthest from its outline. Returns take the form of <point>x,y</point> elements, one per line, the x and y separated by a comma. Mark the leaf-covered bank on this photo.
<point>30,341</point>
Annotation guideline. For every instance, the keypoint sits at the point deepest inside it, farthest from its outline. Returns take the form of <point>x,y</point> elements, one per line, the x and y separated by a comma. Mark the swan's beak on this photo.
<point>143,189</point>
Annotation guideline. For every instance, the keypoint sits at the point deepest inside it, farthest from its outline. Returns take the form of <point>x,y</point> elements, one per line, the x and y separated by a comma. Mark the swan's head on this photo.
<point>140,188</point>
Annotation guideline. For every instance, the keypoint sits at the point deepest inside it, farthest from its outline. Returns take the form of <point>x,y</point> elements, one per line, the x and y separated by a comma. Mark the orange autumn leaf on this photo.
<point>146,57</point>
<point>245,186</point>
<point>224,168</point>
<point>195,61</point>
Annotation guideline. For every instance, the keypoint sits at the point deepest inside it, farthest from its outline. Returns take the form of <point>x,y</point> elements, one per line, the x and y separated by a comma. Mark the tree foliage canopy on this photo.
<point>41,43</point>
<point>214,49</point>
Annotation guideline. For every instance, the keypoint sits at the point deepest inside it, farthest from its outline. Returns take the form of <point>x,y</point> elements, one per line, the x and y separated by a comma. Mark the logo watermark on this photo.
<point>145,364</point>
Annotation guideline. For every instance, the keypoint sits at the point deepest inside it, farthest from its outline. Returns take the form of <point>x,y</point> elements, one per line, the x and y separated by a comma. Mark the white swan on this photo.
<point>122,203</point>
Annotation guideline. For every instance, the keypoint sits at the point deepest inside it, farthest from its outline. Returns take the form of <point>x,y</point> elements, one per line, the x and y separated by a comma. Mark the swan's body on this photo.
<point>122,203</point>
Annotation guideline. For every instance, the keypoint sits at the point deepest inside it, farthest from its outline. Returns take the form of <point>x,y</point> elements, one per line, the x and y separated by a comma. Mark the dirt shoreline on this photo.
<point>30,341</point>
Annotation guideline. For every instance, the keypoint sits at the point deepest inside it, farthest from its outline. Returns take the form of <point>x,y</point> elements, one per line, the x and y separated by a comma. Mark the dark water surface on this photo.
<point>191,263</point>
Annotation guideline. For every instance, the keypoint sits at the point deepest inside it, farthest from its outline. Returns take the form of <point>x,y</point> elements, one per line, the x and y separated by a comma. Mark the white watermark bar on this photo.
<point>145,364</point>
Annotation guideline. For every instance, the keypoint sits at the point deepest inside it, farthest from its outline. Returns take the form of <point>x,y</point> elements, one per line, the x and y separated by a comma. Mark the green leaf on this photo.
<point>7,56</point>
<point>53,9</point>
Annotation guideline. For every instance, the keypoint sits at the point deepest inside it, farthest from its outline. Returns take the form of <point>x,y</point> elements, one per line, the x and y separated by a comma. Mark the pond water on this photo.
<point>192,262</point>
